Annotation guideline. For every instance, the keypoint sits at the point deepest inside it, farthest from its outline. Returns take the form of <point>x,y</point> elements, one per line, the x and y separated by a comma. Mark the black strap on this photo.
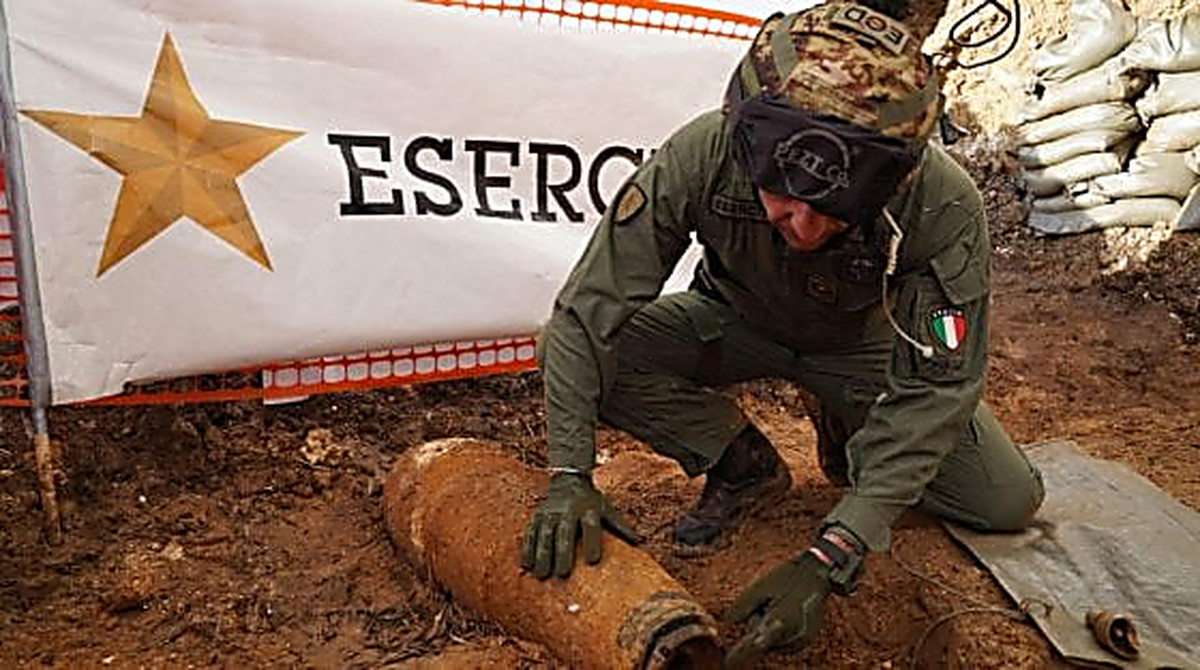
<point>835,554</point>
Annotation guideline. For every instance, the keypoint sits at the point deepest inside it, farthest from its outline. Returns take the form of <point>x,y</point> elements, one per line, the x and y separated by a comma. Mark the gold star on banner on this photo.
<point>176,161</point>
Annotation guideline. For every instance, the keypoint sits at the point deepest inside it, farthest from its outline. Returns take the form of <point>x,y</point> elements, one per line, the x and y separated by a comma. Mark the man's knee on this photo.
<point>1013,507</point>
<point>1011,491</point>
<point>991,489</point>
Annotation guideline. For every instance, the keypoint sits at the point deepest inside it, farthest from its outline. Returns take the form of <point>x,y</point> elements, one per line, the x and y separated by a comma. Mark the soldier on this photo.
<point>842,251</point>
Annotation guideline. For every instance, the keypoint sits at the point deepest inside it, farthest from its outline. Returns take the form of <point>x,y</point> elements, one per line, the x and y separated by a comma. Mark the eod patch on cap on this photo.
<point>885,30</point>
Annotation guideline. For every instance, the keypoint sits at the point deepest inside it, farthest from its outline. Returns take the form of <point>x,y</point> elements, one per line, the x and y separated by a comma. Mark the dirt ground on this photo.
<point>243,535</point>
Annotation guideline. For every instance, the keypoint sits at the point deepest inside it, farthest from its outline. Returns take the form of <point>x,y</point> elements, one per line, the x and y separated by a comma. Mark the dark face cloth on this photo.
<point>840,169</point>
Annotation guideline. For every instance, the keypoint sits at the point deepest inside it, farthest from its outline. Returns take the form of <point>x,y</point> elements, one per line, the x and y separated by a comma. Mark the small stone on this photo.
<point>173,551</point>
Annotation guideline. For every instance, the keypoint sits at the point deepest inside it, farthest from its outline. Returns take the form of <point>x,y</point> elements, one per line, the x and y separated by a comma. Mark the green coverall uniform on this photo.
<point>617,351</point>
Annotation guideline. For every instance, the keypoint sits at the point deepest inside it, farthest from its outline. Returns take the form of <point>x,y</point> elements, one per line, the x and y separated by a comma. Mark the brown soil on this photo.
<point>242,535</point>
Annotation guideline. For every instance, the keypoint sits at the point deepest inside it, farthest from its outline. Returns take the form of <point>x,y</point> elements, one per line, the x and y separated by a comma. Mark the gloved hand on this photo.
<point>785,607</point>
<point>572,504</point>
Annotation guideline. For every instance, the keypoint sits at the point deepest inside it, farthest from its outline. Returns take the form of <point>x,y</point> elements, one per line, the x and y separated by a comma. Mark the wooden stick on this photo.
<point>44,455</point>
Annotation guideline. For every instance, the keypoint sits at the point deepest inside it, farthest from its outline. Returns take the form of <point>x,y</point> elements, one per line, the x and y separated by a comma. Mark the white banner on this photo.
<point>228,183</point>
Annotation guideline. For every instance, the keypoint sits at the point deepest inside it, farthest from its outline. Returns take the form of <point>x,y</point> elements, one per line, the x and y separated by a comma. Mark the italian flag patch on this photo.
<point>949,326</point>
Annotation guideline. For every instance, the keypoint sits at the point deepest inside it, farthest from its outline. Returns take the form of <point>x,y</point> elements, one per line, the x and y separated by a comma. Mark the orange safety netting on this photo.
<point>13,382</point>
<point>635,15</point>
<point>391,367</point>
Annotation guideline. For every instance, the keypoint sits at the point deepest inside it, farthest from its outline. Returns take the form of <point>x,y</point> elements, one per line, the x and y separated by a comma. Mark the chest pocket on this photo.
<point>833,289</point>
<point>859,271</point>
<point>856,297</point>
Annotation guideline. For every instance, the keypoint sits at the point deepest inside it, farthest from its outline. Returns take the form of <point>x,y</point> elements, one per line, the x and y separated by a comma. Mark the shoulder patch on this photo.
<point>949,326</point>
<point>629,203</point>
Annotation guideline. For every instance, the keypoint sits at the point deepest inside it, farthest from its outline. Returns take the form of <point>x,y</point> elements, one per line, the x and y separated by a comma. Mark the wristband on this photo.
<point>843,557</point>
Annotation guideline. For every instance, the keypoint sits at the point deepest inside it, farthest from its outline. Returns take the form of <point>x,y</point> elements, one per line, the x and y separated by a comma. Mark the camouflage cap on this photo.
<point>848,61</point>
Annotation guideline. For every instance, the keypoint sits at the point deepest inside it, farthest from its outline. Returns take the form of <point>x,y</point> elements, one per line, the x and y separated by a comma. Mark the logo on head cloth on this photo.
<point>814,163</point>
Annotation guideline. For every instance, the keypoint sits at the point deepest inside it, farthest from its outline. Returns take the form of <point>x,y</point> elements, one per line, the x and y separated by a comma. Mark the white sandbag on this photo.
<point>1151,175</point>
<point>1172,45</point>
<point>1174,132</point>
<point>1193,160</point>
<point>1050,180</point>
<point>1170,94</point>
<point>1189,214</point>
<point>1065,202</point>
<point>1104,83</point>
<point>1128,212</point>
<point>1099,29</point>
<point>1102,116</point>
<point>1064,148</point>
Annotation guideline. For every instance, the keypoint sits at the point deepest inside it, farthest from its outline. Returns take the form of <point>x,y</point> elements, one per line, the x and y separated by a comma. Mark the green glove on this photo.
<point>787,606</point>
<point>572,504</point>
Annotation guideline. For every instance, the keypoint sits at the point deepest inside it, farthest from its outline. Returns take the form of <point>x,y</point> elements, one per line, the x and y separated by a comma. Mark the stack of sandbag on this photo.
<point>1170,108</point>
<point>1114,109</point>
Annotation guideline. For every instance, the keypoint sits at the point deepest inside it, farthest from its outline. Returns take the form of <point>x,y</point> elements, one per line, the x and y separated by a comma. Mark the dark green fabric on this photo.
<point>984,481</point>
<point>613,349</point>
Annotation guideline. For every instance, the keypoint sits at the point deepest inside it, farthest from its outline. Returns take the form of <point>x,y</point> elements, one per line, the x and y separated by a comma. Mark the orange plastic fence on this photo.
<point>636,15</point>
<point>391,367</point>
<point>13,381</point>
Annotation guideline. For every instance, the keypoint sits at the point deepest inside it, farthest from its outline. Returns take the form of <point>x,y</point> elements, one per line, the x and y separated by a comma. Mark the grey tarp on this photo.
<point>1105,539</point>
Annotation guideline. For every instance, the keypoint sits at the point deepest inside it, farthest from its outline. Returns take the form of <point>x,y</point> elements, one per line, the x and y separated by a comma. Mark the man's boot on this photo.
<point>748,476</point>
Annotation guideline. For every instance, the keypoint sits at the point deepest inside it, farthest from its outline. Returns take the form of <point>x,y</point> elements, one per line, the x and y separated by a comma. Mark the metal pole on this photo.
<point>37,361</point>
